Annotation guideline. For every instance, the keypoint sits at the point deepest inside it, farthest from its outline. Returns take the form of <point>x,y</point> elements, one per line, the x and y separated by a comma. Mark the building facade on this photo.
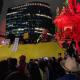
<point>32,17</point>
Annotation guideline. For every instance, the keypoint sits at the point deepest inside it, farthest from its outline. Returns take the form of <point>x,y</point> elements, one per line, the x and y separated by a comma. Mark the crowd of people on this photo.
<point>46,68</point>
<point>30,37</point>
<point>71,49</point>
<point>62,68</point>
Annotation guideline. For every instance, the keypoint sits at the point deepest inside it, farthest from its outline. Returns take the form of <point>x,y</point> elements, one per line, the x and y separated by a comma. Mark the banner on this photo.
<point>15,45</point>
<point>26,35</point>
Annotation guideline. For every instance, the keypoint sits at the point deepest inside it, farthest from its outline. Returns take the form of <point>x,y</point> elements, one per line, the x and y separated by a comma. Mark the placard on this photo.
<point>15,45</point>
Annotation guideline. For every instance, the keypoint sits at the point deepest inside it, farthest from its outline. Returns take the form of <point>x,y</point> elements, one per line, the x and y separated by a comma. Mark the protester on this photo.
<point>71,68</point>
<point>60,58</point>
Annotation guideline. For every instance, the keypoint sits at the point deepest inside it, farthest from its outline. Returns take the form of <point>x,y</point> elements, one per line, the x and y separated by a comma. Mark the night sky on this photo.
<point>11,3</point>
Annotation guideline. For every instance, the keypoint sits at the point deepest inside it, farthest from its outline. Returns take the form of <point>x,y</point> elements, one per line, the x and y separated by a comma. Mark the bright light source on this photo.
<point>3,42</point>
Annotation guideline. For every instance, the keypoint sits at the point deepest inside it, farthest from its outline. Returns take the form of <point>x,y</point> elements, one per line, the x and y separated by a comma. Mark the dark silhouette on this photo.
<point>34,71</point>
<point>11,36</point>
<point>65,44</point>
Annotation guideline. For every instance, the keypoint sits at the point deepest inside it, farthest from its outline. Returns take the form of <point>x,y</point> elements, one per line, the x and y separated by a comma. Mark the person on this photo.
<point>43,35</point>
<point>22,63</point>
<point>12,63</point>
<point>25,37</point>
<point>71,68</point>
<point>34,70</point>
<point>73,43</point>
<point>22,67</point>
<point>59,57</point>
<point>11,36</point>
<point>15,76</point>
<point>65,44</point>
<point>72,51</point>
